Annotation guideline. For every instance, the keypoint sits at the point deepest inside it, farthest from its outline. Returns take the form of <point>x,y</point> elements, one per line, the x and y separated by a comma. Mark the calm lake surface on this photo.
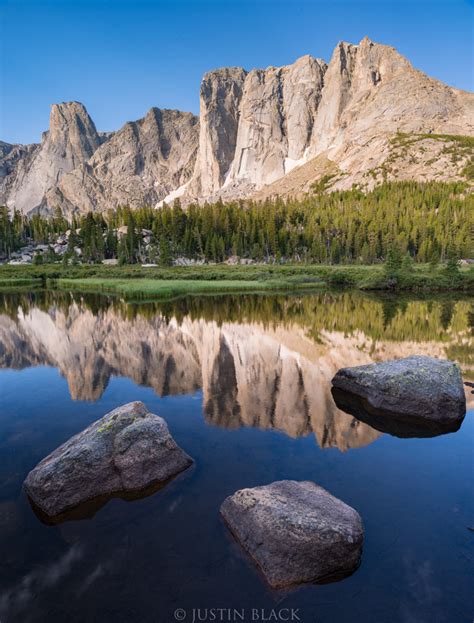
<point>244,385</point>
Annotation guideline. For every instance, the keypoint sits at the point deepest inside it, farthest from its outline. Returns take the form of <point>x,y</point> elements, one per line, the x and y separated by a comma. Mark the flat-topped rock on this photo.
<point>296,532</point>
<point>415,396</point>
<point>126,451</point>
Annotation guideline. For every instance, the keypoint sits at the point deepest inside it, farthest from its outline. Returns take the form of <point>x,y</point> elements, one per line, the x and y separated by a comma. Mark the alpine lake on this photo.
<point>244,384</point>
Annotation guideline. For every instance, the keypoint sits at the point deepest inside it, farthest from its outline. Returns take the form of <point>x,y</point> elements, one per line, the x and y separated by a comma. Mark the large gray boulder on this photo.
<point>297,532</point>
<point>126,451</point>
<point>412,397</point>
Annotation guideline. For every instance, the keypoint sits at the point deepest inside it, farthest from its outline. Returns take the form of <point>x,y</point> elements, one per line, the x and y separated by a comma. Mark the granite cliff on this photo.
<point>365,117</point>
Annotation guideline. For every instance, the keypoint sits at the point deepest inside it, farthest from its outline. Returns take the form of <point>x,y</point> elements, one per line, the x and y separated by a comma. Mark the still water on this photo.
<point>244,385</point>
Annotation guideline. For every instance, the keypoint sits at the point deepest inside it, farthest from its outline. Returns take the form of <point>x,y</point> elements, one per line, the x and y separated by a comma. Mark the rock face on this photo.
<point>370,94</point>
<point>127,450</point>
<point>277,114</point>
<point>345,114</point>
<point>296,532</point>
<point>366,116</point>
<point>415,396</point>
<point>221,94</point>
<point>29,172</point>
<point>140,165</point>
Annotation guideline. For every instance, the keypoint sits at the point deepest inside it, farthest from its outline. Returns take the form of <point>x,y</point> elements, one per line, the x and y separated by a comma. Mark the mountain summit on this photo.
<point>365,117</point>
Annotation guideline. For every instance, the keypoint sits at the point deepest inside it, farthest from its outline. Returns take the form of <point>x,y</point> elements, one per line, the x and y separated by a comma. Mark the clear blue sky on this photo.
<point>120,57</point>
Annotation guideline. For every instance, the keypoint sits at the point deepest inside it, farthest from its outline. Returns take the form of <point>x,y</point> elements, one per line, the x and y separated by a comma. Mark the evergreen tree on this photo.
<point>452,264</point>
<point>429,221</point>
<point>407,265</point>
<point>165,251</point>
<point>393,262</point>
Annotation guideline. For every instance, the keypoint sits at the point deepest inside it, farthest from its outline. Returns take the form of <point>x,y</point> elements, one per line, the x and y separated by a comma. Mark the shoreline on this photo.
<point>162,282</point>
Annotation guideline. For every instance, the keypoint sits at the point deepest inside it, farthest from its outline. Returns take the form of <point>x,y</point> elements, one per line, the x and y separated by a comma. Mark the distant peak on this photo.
<point>225,73</point>
<point>75,106</point>
<point>66,113</point>
<point>68,118</point>
<point>308,58</point>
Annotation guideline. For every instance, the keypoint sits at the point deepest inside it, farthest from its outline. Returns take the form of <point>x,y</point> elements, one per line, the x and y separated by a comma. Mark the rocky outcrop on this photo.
<point>27,173</point>
<point>277,114</point>
<point>221,95</point>
<point>366,117</point>
<point>140,165</point>
<point>296,532</point>
<point>415,396</point>
<point>341,120</point>
<point>370,94</point>
<point>255,127</point>
<point>126,451</point>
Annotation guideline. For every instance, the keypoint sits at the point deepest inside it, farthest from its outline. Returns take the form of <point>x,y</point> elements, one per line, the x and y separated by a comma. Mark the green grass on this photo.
<point>468,170</point>
<point>135,281</point>
<point>464,141</point>
<point>459,147</point>
<point>155,288</point>
<point>21,283</point>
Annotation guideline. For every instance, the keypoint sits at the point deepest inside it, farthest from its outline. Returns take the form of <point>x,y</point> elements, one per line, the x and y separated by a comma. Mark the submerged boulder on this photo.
<point>413,397</point>
<point>126,451</point>
<point>297,532</point>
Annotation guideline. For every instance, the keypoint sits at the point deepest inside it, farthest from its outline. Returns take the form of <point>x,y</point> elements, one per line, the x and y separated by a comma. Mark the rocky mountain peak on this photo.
<point>366,41</point>
<point>72,134</point>
<point>72,139</point>
<point>255,129</point>
<point>139,165</point>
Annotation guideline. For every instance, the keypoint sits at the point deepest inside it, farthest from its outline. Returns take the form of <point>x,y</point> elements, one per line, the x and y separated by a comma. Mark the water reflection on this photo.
<point>260,361</point>
<point>88,509</point>
<point>391,423</point>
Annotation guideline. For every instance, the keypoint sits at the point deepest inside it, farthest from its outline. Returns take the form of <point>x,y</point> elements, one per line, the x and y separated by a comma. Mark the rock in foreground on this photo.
<point>412,397</point>
<point>127,450</point>
<point>296,532</point>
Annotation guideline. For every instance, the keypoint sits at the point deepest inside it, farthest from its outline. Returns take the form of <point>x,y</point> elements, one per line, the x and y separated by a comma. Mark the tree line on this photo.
<point>421,222</point>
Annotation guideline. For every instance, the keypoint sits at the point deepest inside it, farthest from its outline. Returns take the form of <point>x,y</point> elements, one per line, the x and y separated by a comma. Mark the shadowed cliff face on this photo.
<point>251,374</point>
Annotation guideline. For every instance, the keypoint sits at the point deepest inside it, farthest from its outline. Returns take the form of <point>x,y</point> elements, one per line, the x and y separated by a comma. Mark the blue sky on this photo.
<point>120,57</point>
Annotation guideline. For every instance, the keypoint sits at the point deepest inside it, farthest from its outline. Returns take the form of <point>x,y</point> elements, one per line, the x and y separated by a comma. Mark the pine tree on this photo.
<point>393,262</point>
<point>452,264</point>
<point>165,251</point>
<point>407,265</point>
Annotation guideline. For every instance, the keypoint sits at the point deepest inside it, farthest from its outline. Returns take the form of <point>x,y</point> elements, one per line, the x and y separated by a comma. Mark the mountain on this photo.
<point>365,117</point>
<point>143,162</point>
<point>27,173</point>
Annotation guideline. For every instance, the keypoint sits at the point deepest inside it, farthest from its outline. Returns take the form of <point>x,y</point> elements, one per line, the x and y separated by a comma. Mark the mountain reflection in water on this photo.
<point>261,361</point>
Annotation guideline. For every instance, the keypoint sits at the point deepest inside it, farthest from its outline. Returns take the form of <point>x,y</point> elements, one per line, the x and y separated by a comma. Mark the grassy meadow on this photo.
<point>138,282</point>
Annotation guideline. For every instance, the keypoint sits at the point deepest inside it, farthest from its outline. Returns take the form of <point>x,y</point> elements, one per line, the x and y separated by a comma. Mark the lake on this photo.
<point>244,385</point>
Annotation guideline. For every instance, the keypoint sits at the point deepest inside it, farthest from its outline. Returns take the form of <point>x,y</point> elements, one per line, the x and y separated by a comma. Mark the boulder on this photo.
<point>296,532</point>
<point>412,397</point>
<point>126,451</point>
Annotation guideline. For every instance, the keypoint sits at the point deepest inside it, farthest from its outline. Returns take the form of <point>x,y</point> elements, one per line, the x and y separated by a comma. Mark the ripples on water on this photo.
<point>244,384</point>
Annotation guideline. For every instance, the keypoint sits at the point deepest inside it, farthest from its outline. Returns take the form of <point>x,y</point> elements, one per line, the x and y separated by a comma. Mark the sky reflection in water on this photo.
<point>244,384</point>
